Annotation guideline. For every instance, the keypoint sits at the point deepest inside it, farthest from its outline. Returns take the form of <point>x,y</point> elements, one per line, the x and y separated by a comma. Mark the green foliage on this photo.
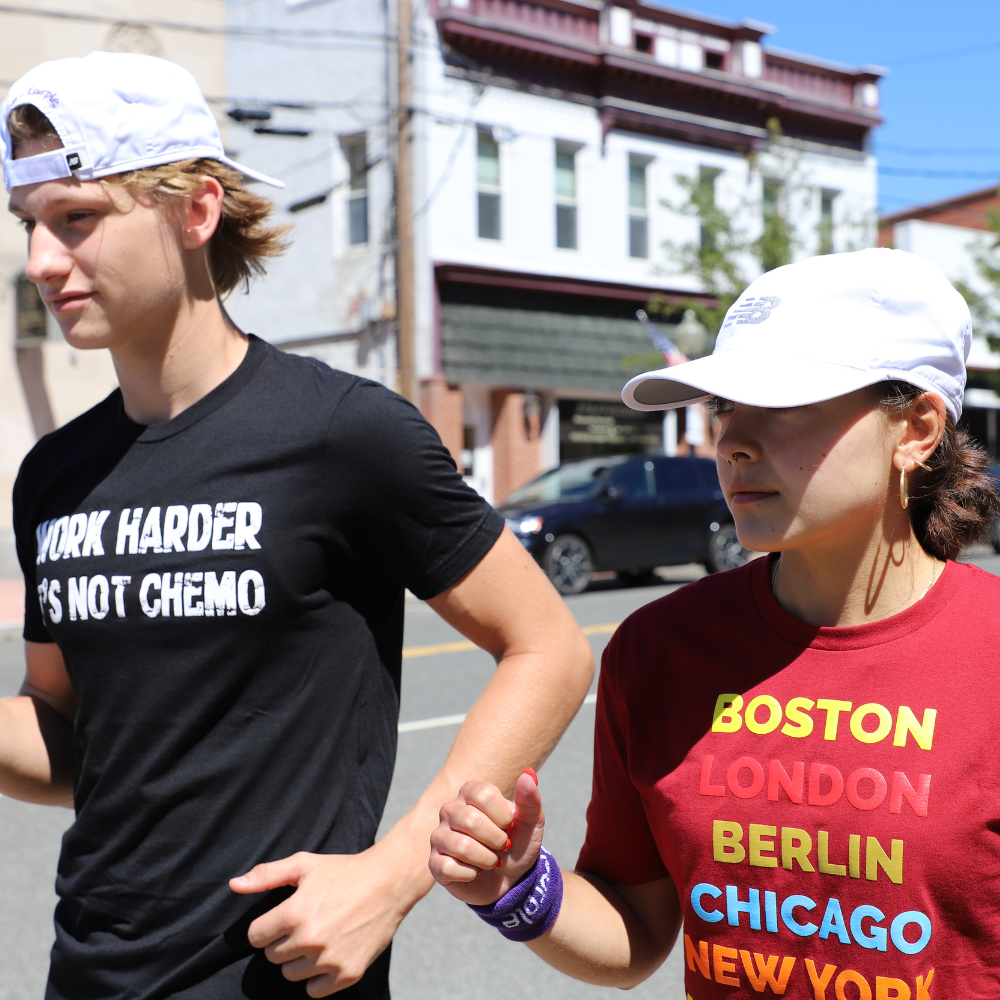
<point>725,248</point>
<point>985,306</point>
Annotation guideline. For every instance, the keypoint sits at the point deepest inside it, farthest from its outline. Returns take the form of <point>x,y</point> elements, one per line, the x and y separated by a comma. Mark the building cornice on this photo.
<point>807,97</point>
<point>486,277</point>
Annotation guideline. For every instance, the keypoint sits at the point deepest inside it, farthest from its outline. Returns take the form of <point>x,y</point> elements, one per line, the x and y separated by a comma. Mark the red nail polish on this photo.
<point>506,847</point>
<point>531,771</point>
<point>498,864</point>
<point>509,827</point>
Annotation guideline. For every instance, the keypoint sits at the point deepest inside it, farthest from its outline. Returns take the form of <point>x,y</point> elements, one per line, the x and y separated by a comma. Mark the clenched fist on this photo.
<point>485,843</point>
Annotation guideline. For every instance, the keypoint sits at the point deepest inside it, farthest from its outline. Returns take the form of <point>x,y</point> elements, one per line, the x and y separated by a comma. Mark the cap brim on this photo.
<point>255,175</point>
<point>748,378</point>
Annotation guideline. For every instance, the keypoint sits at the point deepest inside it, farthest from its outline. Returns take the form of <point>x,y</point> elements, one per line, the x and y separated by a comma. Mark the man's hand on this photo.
<point>346,909</point>
<point>341,917</point>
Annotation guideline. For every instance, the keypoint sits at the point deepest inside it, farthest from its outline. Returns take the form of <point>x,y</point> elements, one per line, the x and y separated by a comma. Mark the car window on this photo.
<point>569,482</point>
<point>707,474</point>
<point>634,480</point>
<point>676,474</point>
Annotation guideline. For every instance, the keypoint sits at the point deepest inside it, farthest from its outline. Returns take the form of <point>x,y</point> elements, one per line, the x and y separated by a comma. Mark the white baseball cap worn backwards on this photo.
<point>114,111</point>
<point>825,327</point>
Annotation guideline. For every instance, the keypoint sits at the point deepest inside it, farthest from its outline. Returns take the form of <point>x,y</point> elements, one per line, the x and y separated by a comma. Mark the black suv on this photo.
<point>629,513</point>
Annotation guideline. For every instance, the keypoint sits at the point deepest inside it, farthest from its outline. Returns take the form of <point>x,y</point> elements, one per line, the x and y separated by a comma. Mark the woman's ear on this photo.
<point>923,427</point>
<point>202,214</point>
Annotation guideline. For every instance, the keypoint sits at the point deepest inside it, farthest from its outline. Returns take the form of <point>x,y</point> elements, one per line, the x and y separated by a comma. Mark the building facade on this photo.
<point>951,233</point>
<point>548,140</point>
<point>44,382</point>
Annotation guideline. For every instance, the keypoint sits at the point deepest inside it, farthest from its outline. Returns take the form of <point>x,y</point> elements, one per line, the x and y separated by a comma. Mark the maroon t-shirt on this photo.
<point>825,800</point>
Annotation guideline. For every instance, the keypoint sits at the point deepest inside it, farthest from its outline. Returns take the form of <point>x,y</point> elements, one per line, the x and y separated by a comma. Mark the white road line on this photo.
<point>455,720</point>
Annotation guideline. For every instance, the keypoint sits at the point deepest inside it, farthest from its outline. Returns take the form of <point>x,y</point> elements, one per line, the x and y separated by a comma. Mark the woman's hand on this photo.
<point>485,843</point>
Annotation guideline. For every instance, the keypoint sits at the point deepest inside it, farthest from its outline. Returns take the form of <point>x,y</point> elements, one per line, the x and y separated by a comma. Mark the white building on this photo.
<point>952,233</point>
<point>548,138</point>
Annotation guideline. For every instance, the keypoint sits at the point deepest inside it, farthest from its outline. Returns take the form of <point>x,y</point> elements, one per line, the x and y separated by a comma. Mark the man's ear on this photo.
<point>923,428</point>
<point>202,214</point>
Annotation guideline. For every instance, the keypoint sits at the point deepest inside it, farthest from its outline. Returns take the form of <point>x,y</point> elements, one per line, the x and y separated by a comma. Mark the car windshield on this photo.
<point>571,481</point>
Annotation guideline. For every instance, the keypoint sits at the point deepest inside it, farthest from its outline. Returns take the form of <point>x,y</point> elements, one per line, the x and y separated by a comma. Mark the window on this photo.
<point>357,197</point>
<point>644,43</point>
<point>566,198</point>
<point>826,220</point>
<point>488,185</point>
<point>634,480</point>
<point>31,316</point>
<point>468,449</point>
<point>638,218</point>
<point>713,60</point>
<point>706,184</point>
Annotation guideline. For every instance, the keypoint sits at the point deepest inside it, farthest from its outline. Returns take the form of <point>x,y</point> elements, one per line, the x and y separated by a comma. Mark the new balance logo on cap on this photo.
<point>73,161</point>
<point>752,310</point>
<point>847,321</point>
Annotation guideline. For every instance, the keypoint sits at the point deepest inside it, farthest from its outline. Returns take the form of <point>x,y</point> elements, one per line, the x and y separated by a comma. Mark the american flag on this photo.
<point>672,354</point>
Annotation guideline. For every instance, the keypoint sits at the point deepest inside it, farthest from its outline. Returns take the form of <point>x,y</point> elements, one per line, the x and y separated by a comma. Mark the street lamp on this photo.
<point>691,336</point>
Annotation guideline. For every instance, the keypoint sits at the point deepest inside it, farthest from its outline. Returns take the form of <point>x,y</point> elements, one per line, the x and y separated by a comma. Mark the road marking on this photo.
<point>463,647</point>
<point>455,720</point>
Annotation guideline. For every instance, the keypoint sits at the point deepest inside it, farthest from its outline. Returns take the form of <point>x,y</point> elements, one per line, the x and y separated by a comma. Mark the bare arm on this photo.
<point>606,935</point>
<point>36,731</point>
<point>330,934</point>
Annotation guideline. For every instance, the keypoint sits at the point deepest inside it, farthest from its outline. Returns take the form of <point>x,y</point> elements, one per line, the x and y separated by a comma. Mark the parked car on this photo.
<point>628,513</point>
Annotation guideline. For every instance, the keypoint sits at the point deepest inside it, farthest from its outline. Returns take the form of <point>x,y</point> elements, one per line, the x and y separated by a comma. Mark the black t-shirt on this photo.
<point>227,591</point>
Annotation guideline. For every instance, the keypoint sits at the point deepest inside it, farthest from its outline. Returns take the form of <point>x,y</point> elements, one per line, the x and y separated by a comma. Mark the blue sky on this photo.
<point>941,94</point>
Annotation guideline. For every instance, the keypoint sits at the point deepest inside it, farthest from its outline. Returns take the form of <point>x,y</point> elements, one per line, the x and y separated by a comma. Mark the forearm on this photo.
<point>36,752</point>
<point>597,937</point>
<point>514,724</point>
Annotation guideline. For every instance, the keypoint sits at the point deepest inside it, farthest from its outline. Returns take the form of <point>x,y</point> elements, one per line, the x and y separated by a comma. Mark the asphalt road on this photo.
<point>441,952</point>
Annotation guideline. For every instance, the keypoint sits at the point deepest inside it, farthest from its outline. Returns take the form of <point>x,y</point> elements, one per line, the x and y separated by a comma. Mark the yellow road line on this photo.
<point>463,647</point>
<point>456,720</point>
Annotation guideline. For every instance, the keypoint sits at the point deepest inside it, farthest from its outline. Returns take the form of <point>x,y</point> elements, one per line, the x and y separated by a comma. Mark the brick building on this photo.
<point>950,232</point>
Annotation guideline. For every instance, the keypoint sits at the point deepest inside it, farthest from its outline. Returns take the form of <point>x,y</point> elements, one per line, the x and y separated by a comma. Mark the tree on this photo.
<point>985,305</point>
<point>726,250</point>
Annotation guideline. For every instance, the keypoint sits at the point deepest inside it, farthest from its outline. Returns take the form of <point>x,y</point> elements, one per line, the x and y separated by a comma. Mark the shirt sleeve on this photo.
<point>619,846</point>
<point>24,538</point>
<point>400,505</point>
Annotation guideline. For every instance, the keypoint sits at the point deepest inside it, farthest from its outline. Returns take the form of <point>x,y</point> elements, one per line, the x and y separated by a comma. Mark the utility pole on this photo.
<point>405,318</point>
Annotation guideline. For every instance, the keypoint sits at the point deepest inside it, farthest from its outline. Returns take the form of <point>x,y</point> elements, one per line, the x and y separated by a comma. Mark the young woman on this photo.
<point>215,559</point>
<point>794,758</point>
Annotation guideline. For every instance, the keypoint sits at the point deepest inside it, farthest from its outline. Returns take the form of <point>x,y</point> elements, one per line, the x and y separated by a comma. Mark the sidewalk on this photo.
<point>11,604</point>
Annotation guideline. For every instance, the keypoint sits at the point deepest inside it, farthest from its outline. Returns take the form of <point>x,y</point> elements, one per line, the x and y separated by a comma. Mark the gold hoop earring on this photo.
<point>926,468</point>
<point>904,494</point>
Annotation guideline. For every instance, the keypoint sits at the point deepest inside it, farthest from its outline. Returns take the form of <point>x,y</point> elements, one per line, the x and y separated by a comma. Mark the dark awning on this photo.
<point>542,350</point>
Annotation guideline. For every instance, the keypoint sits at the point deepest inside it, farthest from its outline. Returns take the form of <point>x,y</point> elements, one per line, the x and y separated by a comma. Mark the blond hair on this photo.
<point>241,242</point>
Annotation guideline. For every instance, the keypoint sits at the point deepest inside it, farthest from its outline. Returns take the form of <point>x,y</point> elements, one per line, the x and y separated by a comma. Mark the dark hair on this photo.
<point>954,504</point>
<point>241,241</point>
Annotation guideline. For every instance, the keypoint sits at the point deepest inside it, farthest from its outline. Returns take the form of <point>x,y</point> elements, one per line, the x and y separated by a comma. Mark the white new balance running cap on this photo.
<point>825,327</point>
<point>114,111</point>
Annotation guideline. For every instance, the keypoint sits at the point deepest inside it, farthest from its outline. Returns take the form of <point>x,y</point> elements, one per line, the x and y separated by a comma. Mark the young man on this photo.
<point>216,557</point>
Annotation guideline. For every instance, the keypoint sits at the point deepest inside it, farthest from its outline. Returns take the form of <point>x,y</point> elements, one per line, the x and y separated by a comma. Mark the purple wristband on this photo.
<point>529,908</point>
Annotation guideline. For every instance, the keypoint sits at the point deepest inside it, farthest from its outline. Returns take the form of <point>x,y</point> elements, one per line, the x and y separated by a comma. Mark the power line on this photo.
<point>262,34</point>
<point>916,172</point>
<point>943,54</point>
<point>940,150</point>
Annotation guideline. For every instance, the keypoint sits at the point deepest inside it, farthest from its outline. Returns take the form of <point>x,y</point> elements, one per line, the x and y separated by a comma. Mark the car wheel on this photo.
<point>725,551</point>
<point>568,564</point>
